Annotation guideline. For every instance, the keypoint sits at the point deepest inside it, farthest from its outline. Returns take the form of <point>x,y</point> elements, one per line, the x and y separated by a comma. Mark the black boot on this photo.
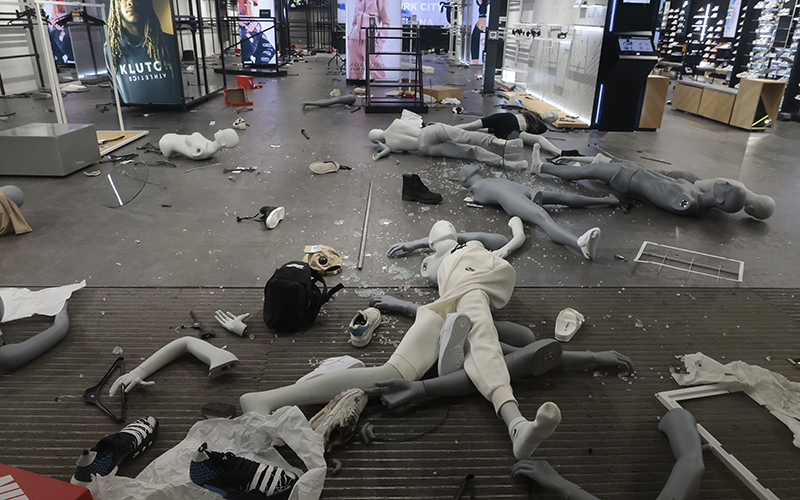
<point>415,190</point>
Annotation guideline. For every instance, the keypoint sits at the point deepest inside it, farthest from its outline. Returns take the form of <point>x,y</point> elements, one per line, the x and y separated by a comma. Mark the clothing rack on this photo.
<point>22,20</point>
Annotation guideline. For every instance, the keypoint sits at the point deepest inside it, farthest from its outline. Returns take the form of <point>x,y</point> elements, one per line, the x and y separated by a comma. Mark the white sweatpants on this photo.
<point>440,139</point>
<point>472,281</point>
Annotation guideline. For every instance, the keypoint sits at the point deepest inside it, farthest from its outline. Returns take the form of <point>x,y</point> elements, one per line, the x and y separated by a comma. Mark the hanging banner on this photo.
<point>59,34</point>
<point>142,43</point>
<point>386,14</point>
<point>257,32</point>
<point>480,18</point>
<point>428,12</point>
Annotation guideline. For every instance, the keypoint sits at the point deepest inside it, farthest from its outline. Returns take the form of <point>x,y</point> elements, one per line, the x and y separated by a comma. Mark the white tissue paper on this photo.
<point>772,390</point>
<point>22,303</point>
<point>251,436</point>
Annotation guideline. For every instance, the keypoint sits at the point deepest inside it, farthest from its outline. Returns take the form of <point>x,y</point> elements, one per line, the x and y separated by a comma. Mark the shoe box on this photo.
<point>18,484</point>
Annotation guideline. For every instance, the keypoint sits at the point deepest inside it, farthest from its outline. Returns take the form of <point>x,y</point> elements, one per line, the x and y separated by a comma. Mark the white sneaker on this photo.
<point>451,343</point>
<point>363,324</point>
<point>333,365</point>
<point>567,324</point>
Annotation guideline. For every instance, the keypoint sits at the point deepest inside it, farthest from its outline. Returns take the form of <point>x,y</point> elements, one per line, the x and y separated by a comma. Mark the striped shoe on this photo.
<point>112,450</point>
<point>229,475</point>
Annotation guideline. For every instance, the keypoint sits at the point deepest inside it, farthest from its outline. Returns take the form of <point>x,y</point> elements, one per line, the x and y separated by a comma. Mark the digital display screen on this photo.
<point>635,44</point>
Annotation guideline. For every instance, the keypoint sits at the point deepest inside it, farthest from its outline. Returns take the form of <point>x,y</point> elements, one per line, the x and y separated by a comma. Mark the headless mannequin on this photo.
<point>344,100</point>
<point>12,356</point>
<point>524,202</point>
<point>523,355</point>
<point>683,483</point>
<point>219,361</point>
<point>675,195</point>
<point>195,146</point>
<point>490,283</point>
<point>440,139</point>
<point>528,135</point>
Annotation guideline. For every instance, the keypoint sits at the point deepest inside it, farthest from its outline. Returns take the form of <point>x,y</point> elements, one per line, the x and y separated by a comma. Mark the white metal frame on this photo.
<point>52,72</point>
<point>739,273</point>
<point>671,399</point>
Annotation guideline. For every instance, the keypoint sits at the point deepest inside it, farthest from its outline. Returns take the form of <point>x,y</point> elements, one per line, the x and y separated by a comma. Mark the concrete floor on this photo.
<point>181,230</point>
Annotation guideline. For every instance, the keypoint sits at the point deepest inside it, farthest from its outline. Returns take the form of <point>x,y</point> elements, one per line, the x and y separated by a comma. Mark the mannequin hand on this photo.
<point>387,303</point>
<point>614,359</point>
<point>398,392</point>
<point>401,250</point>
<point>232,323</point>
<point>128,381</point>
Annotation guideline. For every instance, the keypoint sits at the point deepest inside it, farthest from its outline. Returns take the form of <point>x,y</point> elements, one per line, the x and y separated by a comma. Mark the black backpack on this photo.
<point>292,299</point>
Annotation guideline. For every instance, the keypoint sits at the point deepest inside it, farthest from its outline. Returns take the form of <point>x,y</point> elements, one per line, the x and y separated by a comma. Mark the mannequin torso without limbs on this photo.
<point>401,135</point>
<point>196,146</point>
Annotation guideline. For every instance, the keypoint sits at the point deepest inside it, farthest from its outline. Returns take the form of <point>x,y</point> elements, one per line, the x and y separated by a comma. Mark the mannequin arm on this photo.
<point>541,472</point>
<point>388,303</point>
<point>606,359</point>
<point>219,361</point>
<point>12,356</point>
<point>382,151</point>
<point>490,241</point>
<point>517,238</point>
<point>405,249</point>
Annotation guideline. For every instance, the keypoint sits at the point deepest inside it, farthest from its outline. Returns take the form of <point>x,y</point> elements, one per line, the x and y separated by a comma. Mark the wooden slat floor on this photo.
<point>607,443</point>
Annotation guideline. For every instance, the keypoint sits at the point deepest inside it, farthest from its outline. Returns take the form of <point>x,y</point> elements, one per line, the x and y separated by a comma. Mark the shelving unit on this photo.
<point>673,30</point>
<point>409,72</point>
<point>21,21</point>
<point>775,48</point>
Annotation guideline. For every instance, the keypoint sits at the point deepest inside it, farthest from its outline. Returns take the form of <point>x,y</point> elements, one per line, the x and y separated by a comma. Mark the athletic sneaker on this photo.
<point>363,324</point>
<point>451,343</point>
<point>332,365</point>
<point>227,474</point>
<point>272,215</point>
<point>112,450</point>
<point>337,421</point>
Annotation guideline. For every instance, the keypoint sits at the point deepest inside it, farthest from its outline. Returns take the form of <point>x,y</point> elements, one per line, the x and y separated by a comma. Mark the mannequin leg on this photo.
<point>344,100</point>
<point>576,200</point>
<point>547,146</point>
<point>595,171</point>
<point>534,215</point>
<point>474,126</point>
<point>318,390</point>
<point>463,152</point>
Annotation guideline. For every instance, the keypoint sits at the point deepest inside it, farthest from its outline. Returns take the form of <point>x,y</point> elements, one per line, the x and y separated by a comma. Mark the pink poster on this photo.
<point>386,14</point>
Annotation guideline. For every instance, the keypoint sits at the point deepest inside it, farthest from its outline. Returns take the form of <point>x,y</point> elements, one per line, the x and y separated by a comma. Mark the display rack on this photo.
<point>673,30</point>
<point>21,20</point>
<point>409,72</point>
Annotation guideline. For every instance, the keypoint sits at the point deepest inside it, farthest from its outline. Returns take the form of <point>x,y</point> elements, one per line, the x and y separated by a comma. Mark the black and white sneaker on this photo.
<point>451,343</point>
<point>229,475</point>
<point>112,450</point>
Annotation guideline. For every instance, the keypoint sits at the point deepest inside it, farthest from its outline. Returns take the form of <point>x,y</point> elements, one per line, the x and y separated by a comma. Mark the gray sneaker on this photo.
<point>451,343</point>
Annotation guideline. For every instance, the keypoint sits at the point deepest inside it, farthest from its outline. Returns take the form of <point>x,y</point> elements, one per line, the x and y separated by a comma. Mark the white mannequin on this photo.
<point>219,360</point>
<point>195,146</point>
<point>471,280</point>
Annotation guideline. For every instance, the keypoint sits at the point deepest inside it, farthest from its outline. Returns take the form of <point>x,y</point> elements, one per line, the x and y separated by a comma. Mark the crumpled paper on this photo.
<point>771,390</point>
<point>252,435</point>
<point>451,100</point>
<point>22,303</point>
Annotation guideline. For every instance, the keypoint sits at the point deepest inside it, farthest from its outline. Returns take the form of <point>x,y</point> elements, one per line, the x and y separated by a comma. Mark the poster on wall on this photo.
<point>386,14</point>
<point>59,33</point>
<point>257,32</point>
<point>141,42</point>
<point>429,13</point>
<point>479,18</point>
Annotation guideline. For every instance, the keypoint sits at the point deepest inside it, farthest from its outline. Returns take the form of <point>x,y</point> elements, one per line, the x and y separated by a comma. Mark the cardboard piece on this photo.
<point>236,97</point>
<point>20,484</point>
<point>440,92</point>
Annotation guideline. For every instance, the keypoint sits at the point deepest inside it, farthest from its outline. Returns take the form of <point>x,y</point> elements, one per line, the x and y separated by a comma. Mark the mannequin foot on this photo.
<point>515,165</point>
<point>526,436</point>
<point>536,160</point>
<point>588,242</point>
<point>601,158</point>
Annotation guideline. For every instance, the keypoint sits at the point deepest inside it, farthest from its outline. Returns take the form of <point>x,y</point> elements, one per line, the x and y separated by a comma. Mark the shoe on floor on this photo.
<point>415,190</point>
<point>451,343</point>
<point>363,324</point>
<point>112,450</point>
<point>337,421</point>
<point>272,215</point>
<point>333,365</point>
<point>567,324</point>
<point>225,473</point>
<point>324,167</point>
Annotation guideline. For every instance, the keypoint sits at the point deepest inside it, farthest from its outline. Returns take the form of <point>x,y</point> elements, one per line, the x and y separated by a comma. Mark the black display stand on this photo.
<point>411,50</point>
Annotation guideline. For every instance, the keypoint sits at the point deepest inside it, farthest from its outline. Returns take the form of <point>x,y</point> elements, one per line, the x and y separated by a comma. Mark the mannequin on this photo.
<point>195,146</point>
<point>344,100</point>
<point>517,199</point>
<point>683,483</point>
<point>471,281</point>
<point>529,125</point>
<point>523,354</point>
<point>439,139</point>
<point>12,356</point>
<point>11,219</point>
<point>219,360</point>
<point>671,193</point>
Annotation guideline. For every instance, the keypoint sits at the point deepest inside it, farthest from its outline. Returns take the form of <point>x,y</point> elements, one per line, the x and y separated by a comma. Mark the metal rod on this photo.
<point>364,230</point>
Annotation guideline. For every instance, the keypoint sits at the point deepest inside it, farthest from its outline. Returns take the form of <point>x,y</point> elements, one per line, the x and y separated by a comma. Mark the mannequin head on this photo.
<point>227,138</point>
<point>469,175</point>
<point>550,116</point>
<point>537,125</point>
<point>376,135</point>
<point>14,194</point>
<point>440,232</point>
<point>728,197</point>
<point>759,206</point>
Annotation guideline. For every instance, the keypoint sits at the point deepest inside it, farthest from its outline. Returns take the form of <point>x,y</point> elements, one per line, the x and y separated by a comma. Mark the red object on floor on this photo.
<point>246,82</point>
<point>18,484</point>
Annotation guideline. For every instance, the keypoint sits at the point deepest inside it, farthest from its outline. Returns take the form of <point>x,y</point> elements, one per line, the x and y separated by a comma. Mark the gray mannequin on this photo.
<point>489,282</point>
<point>678,192</point>
<point>683,483</point>
<point>11,218</point>
<point>12,356</point>
<point>521,351</point>
<point>344,100</point>
<point>196,146</point>
<point>14,194</point>
<point>440,139</point>
<point>525,202</point>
